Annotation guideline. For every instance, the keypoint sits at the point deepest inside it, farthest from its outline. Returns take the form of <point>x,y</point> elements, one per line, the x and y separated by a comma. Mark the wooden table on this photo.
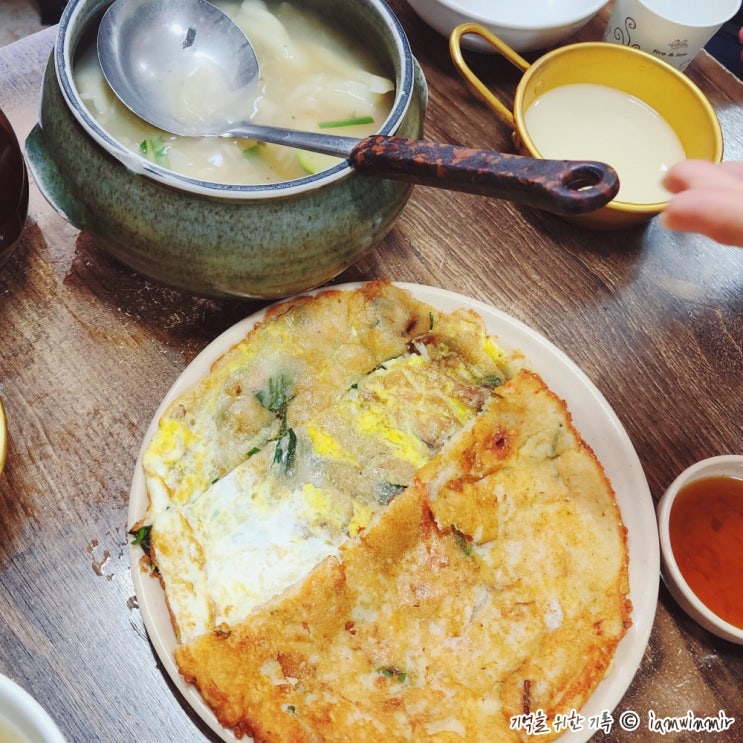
<point>89,348</point>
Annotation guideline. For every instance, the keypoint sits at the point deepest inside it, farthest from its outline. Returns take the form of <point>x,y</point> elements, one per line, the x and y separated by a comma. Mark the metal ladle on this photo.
<point>144,45</point>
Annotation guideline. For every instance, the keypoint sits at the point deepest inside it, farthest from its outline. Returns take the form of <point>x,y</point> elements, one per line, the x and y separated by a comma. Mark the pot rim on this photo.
<point>64,53</point>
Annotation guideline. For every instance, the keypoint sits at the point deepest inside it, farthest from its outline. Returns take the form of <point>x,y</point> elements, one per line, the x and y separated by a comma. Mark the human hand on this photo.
<point>708,198</point>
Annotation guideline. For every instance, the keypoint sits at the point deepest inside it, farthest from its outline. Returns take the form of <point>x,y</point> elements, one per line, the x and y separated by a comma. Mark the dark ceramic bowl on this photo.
<point>13,190</point>
<point>213,239</point>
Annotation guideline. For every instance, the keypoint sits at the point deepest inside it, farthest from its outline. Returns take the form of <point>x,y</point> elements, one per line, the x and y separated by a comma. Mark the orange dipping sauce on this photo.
<point>706,532</point>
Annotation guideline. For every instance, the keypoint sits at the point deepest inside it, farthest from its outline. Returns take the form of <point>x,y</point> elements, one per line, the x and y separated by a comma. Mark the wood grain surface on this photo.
<point>88,349</point>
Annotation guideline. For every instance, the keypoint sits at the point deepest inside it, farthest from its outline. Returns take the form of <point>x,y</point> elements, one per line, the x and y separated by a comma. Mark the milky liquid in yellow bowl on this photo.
<point>596,122</point>
<point>9,733</point>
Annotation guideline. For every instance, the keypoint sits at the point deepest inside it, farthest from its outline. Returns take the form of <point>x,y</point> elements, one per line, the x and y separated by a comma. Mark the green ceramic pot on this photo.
<point>212,239</point>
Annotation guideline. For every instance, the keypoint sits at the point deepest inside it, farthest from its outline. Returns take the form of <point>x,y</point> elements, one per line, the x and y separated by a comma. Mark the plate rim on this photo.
<point>642,539</point>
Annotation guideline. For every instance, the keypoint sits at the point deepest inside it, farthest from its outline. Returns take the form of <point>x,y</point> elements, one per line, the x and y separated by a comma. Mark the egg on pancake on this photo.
<point>321,344</point>
<point>495,586</point>
<point>299,435</point>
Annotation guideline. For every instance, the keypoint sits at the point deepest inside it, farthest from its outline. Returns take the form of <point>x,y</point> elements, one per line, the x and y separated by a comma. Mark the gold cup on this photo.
<point>669,92</point>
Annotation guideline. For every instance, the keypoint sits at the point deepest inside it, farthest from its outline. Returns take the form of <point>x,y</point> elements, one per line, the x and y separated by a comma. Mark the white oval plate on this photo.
<point>594,419</point>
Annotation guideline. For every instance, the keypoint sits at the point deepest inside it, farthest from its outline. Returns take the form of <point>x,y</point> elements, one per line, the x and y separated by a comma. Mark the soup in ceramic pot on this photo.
<point>596,122</point>
<point>312,78</point>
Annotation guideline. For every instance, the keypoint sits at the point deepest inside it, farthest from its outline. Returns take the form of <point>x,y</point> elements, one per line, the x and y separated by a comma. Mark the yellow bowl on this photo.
<point>673,96</point>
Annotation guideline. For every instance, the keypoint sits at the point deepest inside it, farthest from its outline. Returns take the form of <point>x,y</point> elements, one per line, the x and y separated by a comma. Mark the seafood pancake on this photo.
<point>298,436</point>
<point>496,585</point>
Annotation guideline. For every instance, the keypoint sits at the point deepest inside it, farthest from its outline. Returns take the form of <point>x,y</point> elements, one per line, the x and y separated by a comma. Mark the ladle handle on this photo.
<point>565,187</point>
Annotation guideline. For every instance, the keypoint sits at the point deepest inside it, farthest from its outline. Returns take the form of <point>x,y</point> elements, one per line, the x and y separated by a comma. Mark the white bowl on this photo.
<point>525,25</point>
<point>730,465</point>
<point>25,715</point>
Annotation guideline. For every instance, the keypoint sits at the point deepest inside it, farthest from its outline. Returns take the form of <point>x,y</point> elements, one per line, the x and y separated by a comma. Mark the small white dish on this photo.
<point>730,465</point>
<point>22,715</point>
<point>525,26</point>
